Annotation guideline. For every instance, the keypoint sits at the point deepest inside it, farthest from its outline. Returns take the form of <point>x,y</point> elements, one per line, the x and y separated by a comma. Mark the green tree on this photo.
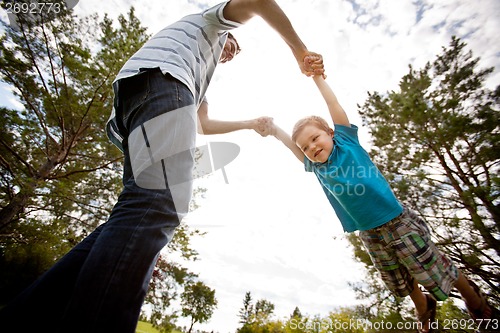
<point>167,279</point>
<point>58,170</point>
<point>296,313</point>
<point>263,311</point>
<point>198,302</point>
<point>60,175</point>
<point>55,144</point>
<point>437,142</point>
<point>345,320</point>
<point>257,317</point>
<point>299,323</point>
<point>296,323</point>
<point>246,312</point>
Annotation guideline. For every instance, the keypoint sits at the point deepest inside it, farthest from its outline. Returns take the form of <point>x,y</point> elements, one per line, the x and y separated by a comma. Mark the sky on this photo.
<point>270,229</point>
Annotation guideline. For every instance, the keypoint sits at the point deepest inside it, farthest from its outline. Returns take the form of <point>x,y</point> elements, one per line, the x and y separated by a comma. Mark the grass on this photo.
<point>143,327</point>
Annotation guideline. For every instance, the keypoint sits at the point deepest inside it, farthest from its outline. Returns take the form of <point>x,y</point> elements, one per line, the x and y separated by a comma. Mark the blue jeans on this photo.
<point>100,285</point>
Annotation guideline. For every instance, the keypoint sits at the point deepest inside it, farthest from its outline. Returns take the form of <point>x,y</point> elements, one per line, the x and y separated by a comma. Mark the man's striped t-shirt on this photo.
<point>188,49</point>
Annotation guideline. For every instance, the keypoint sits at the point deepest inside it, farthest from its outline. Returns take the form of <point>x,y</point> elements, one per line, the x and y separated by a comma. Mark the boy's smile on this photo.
<point>315,143</point>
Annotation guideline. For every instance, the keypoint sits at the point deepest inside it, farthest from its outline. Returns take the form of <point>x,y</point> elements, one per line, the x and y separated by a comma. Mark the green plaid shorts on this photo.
<point>402,251</point>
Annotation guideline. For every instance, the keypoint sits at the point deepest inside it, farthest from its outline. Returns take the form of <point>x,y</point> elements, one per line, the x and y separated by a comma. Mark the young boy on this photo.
<point>398,241</point>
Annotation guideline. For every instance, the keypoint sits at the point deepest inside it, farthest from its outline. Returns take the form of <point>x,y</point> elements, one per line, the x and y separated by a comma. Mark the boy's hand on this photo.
<point>313,65</point>
<point>264,126</point>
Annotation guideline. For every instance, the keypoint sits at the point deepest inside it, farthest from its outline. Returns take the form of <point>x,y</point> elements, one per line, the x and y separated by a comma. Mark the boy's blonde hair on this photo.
<point>311,120</point>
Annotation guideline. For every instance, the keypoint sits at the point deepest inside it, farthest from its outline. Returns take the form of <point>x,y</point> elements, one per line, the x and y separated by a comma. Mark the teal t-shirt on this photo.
<point>357,190</point>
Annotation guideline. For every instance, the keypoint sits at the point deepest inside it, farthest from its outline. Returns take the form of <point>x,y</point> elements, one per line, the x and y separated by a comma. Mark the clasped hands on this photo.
<point>312,64</point>
<point>264,126</point>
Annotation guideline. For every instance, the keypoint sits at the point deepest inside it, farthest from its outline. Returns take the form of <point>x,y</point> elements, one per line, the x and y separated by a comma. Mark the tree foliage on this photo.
<point>198,302</point>
<point>55,143</point>
<point>168,278</point>
<point>359,319</point>
<point>246,311</point>
<point>437,142</point>
<point>257,317</point>
<point>60,175</point>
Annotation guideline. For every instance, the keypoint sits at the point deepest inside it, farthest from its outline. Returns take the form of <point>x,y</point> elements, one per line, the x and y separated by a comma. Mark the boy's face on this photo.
<point>315,143</point>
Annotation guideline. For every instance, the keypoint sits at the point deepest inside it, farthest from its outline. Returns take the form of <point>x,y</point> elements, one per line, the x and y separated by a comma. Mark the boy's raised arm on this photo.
<point>337,113</point>
<point>287,141</point>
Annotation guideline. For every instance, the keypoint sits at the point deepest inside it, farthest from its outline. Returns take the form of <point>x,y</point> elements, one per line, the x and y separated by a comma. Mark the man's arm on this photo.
<point>208,126</point>
<point>243,10</point>
<point>337,113</point>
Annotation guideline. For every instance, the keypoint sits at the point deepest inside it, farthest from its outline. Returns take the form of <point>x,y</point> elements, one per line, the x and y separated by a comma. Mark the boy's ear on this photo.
<point>330,132</point>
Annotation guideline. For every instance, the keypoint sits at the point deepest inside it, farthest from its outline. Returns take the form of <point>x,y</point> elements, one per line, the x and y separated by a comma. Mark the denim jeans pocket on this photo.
<point>147,95</point>
<point>131,94</point>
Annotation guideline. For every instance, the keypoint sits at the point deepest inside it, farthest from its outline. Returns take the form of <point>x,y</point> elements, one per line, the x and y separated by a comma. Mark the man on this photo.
<point>100,285</point>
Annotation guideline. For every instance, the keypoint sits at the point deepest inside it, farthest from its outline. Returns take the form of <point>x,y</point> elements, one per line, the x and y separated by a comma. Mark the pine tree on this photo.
<point>246,312</point>
<point>59,176</point>
<point>437,142</point>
